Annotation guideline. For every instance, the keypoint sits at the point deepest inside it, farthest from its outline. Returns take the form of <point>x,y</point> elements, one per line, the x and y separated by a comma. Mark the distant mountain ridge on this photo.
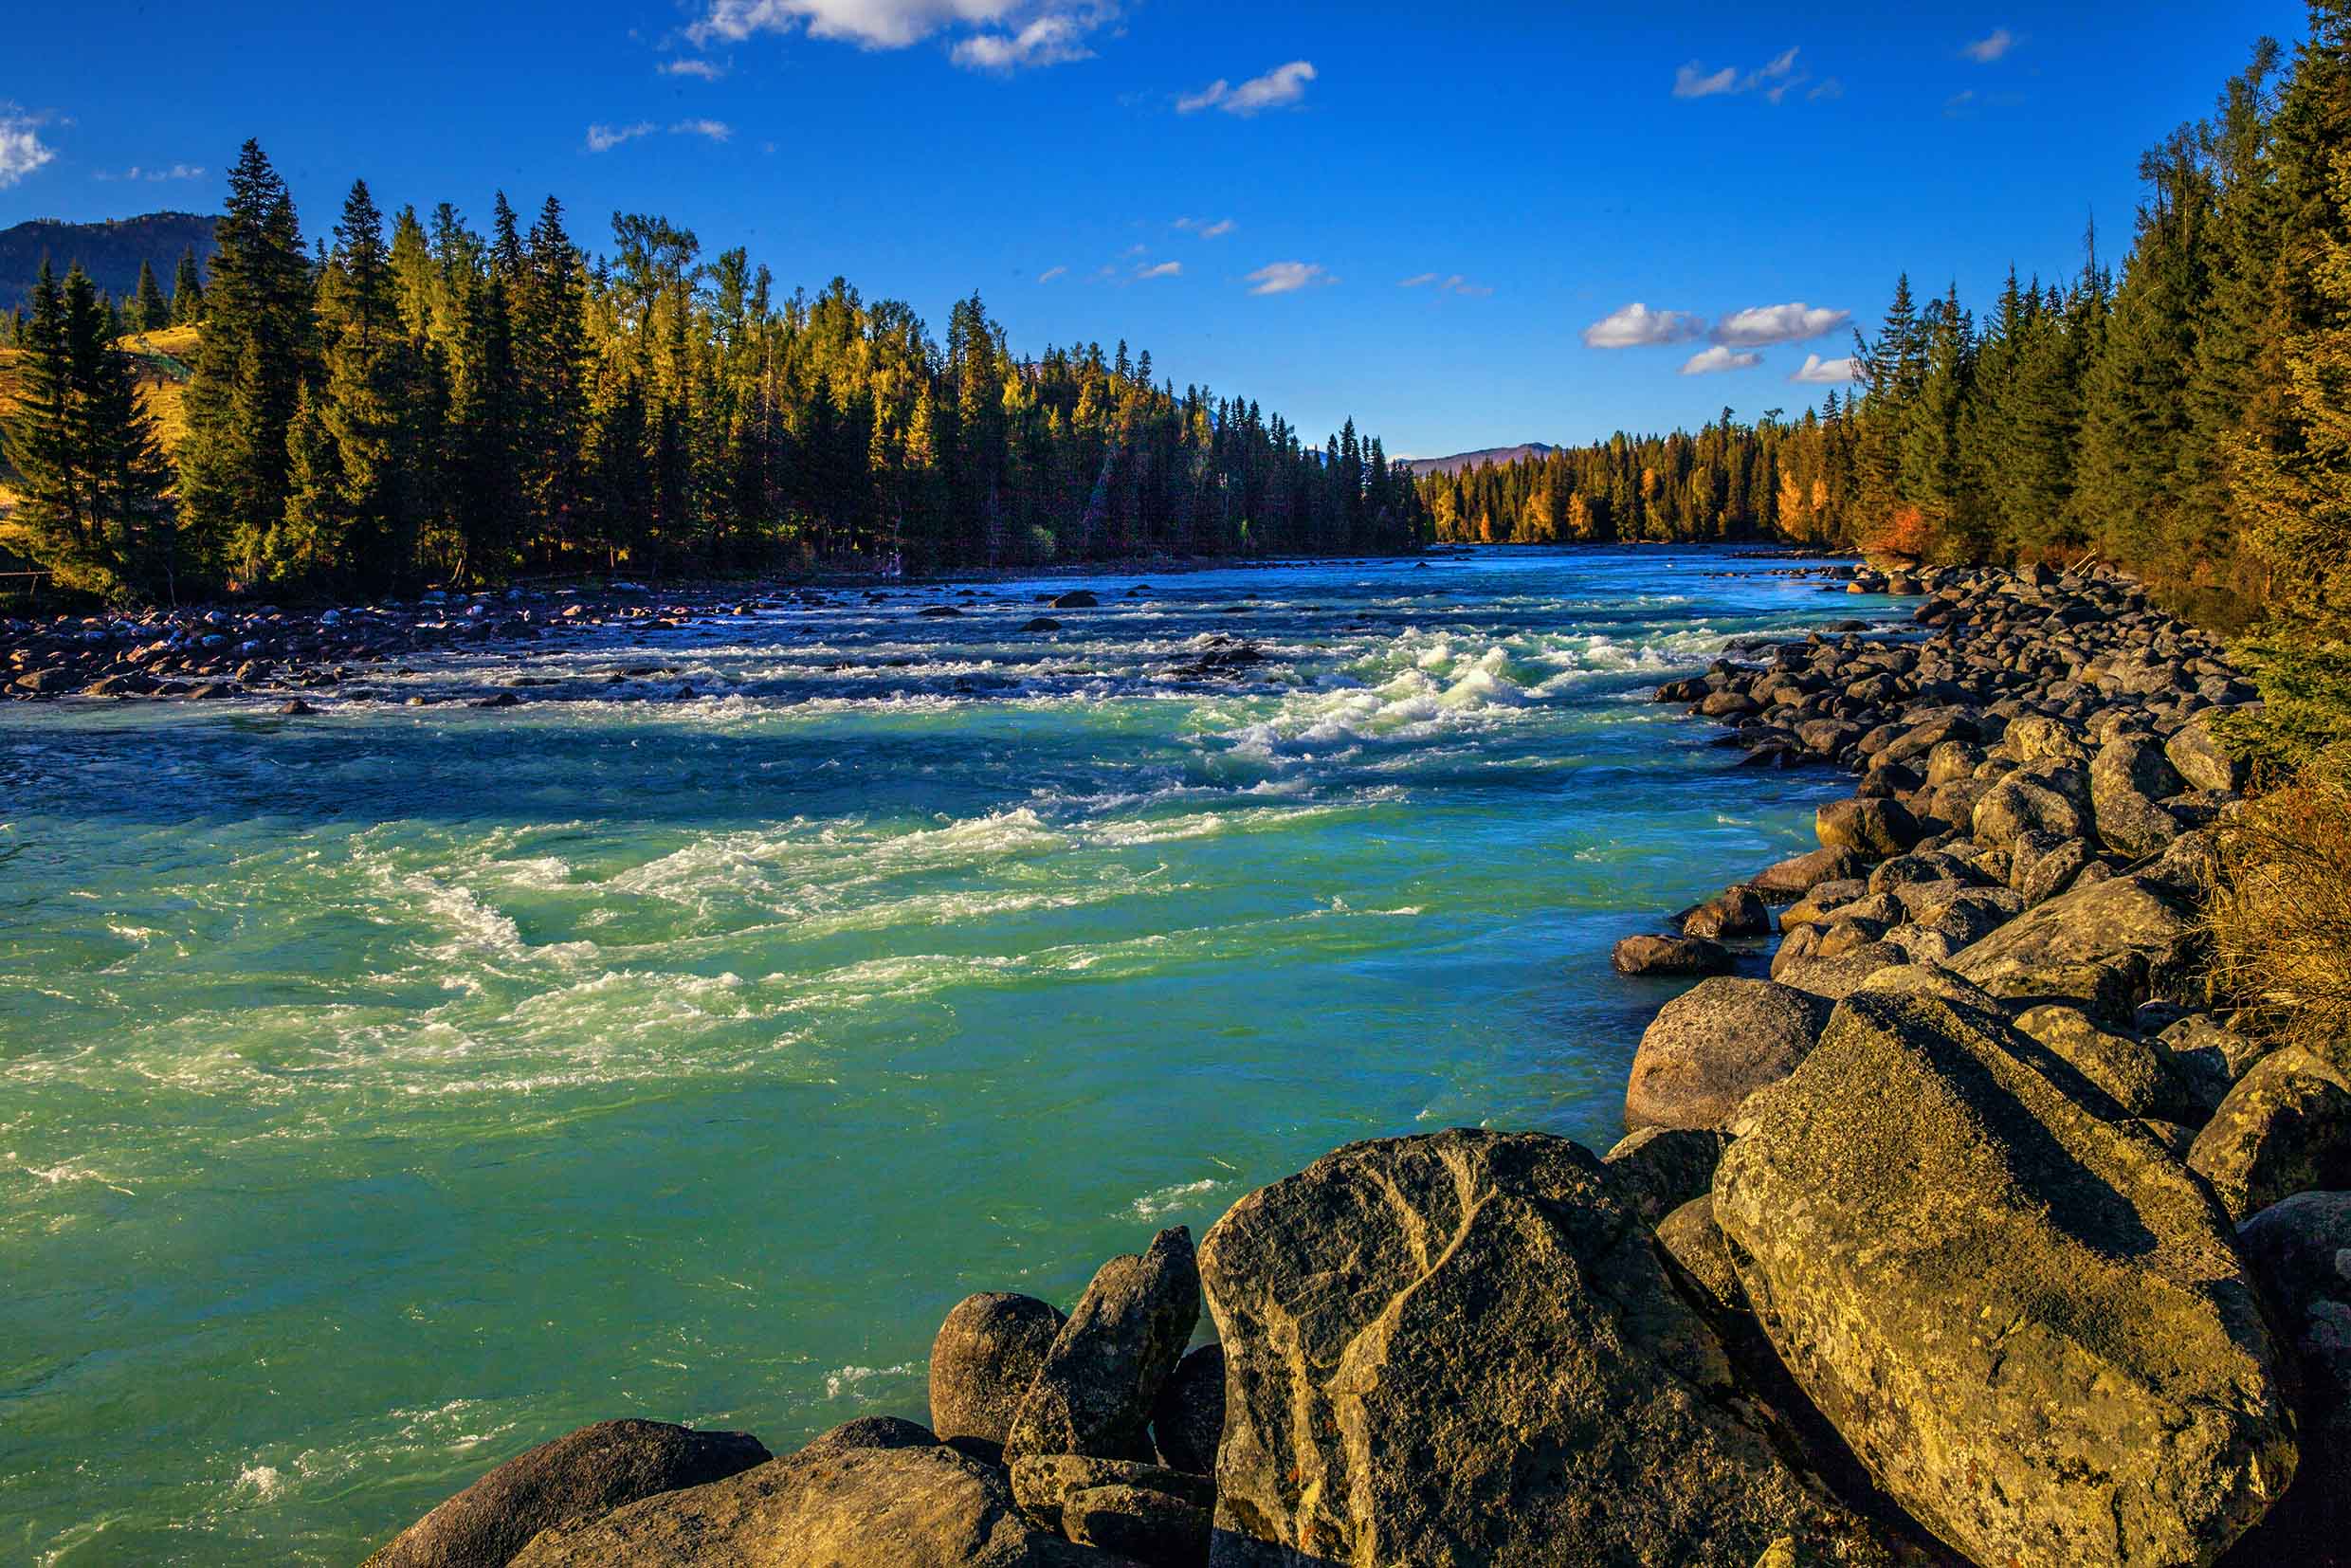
<point>109,252</point>
<point>1418,466</point>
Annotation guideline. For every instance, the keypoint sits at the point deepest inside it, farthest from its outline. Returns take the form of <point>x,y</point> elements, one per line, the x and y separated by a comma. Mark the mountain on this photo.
<point>1418,466</point>
<point>109,252</point>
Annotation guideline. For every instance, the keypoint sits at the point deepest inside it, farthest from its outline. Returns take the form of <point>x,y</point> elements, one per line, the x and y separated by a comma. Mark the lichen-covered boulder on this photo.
<point>1094,1394</point>
<point>2285,1128</point>
<point>2195,752</point>
<point>1874,830</point>
<point>1462,1348</point>
<point>1044,1482</point>
<point>2046,800</point>
<point>2031,1324</point>
<point>2041,866</point>
<point>580,1476</point>
<point>1671,956</point>
<point>899,1507</point>
<point>2104,947</point>
<point>1735,912</point>
<point>1149,1527</point>
<point>1713,1046</point>
<point>1662,1168</point>
<point>2126,780</point>
<point>985,1356</point>
<point>2129,1069</point>
<point>1189,1420</point>
<point>1789,880</point>
<point>2207,1057</point>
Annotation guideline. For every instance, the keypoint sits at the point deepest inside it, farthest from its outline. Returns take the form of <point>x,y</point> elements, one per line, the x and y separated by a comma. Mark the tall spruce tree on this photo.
<point>149,311</point>
<point>186,290</point>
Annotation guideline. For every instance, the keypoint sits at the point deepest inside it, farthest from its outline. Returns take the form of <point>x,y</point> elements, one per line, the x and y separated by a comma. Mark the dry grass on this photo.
<point>2281,917</point>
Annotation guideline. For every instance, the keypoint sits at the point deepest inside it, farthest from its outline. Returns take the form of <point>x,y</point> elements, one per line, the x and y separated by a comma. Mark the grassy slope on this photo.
<point>164,359</point>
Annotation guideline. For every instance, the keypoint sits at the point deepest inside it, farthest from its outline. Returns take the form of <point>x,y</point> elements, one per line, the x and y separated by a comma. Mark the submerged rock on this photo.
<point>1462,1348</point>
<point>1673,955</point>
<point>2030,1323</point>
<point>578,1477</point>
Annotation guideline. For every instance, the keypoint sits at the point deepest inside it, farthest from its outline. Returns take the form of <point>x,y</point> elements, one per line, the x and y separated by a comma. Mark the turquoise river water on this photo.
<point>386,1091</point>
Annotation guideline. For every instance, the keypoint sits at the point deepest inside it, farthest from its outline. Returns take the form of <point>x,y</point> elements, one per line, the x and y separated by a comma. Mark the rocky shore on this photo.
<point>1952,1224</point>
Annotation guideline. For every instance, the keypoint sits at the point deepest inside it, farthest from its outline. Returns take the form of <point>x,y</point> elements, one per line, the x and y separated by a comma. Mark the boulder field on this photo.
<point>1955,1227</point>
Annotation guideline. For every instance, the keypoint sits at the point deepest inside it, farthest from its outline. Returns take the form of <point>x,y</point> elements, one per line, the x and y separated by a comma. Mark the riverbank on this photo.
<point>1926,1243</point>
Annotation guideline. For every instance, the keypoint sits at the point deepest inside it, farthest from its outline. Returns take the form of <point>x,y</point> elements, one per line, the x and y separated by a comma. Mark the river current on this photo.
<point>386,1091</point>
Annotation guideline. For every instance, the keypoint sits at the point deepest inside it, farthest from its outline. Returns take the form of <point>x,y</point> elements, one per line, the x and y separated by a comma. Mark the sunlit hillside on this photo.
<point>165,359</point>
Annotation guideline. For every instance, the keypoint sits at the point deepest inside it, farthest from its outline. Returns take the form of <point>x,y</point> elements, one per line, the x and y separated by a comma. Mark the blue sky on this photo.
<point>1434,221</point>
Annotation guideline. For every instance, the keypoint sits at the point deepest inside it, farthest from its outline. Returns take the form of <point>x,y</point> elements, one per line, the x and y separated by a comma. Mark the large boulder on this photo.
<point>1784,881</point>
<point>2046,800</point>
<point>1874,830</point>
<point>2299,1251</point>
<point>899,1507</point>
<point>1671,956</point>
<point>1461,1348</point>
<point>2125,1068</point>
<point>1713,1046</point>
<point>1735,912</point>
<point>1189,1420</point>
<point>987,1353</point>
<point>2126,779</point>
<point>580,1476</point>
<point>1095,1392</point>
<point>1043,1484</point>
<point>1150,1528</point>
<point>2207,1057</point>
<point>2285,1128</point>
<point>2196,752</point>
<point>2030,1323</point>
<point>1659,1168</point>
<point>2106,947</point>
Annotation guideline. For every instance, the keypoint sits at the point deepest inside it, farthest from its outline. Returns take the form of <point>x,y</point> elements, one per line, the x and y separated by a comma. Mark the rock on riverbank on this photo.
<point>1971,1236</point>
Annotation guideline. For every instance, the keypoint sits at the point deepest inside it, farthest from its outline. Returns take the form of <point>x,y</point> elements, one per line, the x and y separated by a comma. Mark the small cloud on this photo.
<point>1053,272</point>
<point>1831,89</point>
<point>1957,103</point>
<point>1983,52</point>
<point>1695,81</point>
<point>716,130</point>
<point>1454,285</point>
<point>1277,89</point>
<point>1782,66</point>
<point>1054,39</point>
<point>1816,371</point>
<point>1289,277</point>
<point>1207,231</point>
<point>1762,326</point>
<point>152,177</point>
<point>603,139</point>
<point>22,150</point>
<point>1718,358</point>
<point>1636,326</point>
<point>1418,280</point>
<point>1165,269</point>
<point>709,70</point>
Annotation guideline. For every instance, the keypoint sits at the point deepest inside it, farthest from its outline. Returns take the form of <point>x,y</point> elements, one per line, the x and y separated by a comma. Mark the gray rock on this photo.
<point>2299,1251</point>
<point>1044,1482</point>
<point>1789,880</point>
<point>1149,1527</point>
<point>1462,1348</point>
<point>1735,912</point>
<point>2206,1058</point>
<point>1659,1168</point>
<point>2196,752</point>
<point>2106,947</point>
<point>2029,1324</point>
<point>1095,1392</point>
<point>2285,1128</point>
<point>1835,979</point>
<point>1713,1046</point>
<point>1189,1420</point>
<point>578,1477</point>
<point>1874,830</point>
<point>1671,956</point>
<point>2126,780</point>
<point>983,1360</point>
<point>1693,1243</point>
<point>2128,1070</point>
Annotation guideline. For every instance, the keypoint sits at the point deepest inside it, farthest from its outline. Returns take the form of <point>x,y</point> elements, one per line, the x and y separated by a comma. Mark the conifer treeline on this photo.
<point>438,405</point>
<point>2143,416</point>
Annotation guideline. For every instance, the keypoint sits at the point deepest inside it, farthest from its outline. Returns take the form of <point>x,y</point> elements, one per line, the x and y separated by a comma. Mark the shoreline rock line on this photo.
<point>1952,1224</point>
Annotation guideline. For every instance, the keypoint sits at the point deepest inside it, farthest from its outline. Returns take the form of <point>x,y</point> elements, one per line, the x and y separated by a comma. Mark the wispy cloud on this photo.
<point>1983,52</point>
<point>151,176</point>
<point>1289,277</point>
<point>716,130</point>
<point>995,35</point>
<point>22,150</point>
<point>1831,89</point>
<point>1718,358</point>
<point>1816,371</point>
<point>1758,326</point>
<point>1277,89</point>
<point>695,65</point>
<point>1453,284</point>
<point>1636,326</point>
<point>1774,79</point>
<point>1053,272</point>
<point>1957,104</point>
<point>1164,269</point>
<point>603,139</point>
<point>1206,230</point>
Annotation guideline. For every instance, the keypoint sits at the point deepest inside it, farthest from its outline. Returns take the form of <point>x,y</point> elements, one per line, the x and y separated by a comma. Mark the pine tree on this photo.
<point>249,368</point>
<point>149,313</point>
<point>187,291</point>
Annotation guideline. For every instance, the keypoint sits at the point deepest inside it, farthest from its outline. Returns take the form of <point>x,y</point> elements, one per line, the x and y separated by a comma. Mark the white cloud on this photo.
<point>152,176</point>
<point>1636,326</point>
<point>1831,89</point>
<point>22,150</point>
<point>1053,272</point>
<point>1165,269</point>
<point>1816,371</point>
<point>1206,230</point>
<point>1709,361</point>
<point>1054,39</point>
<point>709,70</point>
<point>716,130</point>
<point>1775,78</point>
<point>1277,89</point>
<point>1983,52</point>
<point>1694,80</point>
<point>1418,280</point>
<point>1454,285</point>
<point>1289,277</point>
<point>1957,104</point>
<point>1760,325</point>
<point>603,139</point>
